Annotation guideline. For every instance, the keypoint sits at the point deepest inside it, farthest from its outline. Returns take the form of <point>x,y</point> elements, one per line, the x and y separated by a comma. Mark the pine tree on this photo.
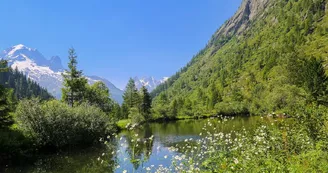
<point>214,96</point>
<point>5,118</point>
<point>145,104</point>
<point>174,108</point>
<point>74,82</point>
<point>315,80</point>
<point>130,95</point>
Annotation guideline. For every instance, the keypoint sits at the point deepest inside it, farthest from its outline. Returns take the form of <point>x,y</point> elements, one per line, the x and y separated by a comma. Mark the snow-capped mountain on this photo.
<point>149,82</point>
<point>47,72</point>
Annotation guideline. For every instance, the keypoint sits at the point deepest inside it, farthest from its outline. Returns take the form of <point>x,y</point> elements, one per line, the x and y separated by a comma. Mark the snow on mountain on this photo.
<point>149,82</point>
<point>47,72</point>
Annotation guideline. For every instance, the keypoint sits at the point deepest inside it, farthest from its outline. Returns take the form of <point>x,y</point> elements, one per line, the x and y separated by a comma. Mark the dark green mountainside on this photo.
<point>272,55</point>
<point>22,86</point>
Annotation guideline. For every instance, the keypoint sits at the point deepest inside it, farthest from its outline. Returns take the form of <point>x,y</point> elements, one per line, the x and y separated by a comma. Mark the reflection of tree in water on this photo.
<point>106,161</point>
<point>79,159</point>
<point>140,144</point>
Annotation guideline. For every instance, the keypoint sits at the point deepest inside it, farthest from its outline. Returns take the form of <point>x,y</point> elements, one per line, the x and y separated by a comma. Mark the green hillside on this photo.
<point>22,87</point>
<point>271,56</point>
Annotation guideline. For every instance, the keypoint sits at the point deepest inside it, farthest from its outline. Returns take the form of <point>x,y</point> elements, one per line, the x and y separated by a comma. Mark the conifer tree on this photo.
<point>74,82</point>
<point>130,95</point>
<point>145,102</point>
<point>5,119</point>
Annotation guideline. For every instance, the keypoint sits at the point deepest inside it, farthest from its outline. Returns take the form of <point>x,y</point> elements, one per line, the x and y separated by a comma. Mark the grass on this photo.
<point>121,124</point>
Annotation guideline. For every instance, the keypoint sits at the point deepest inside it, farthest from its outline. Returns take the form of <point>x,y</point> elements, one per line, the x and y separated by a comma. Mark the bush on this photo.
<point>56,124</point>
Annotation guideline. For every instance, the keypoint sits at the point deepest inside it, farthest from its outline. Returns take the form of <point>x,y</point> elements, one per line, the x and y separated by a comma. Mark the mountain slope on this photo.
<point>270,56</point>
<point>22,86</point>
<point>46,72</point>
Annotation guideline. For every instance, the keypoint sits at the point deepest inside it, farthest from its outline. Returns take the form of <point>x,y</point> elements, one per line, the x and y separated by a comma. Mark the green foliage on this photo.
<point>116,112</point>
<point>277,64</point>
<point>122,124</point>
<point>145,102</point>
<point>5,104</point>
<point>137,105</point>
<point>130,96</point>
<point>22,87</point>
<point>135,116</point>
<point>74,82</point>
<point>5,108</point>
<point>56,124</point>
<point>98,95</point>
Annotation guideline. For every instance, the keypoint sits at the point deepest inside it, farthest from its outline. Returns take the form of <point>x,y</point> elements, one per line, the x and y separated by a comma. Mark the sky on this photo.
<point>116,39</point>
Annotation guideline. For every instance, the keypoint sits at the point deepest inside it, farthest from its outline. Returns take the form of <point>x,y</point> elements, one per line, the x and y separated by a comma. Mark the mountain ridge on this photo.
<point>47,72</point>
<point>149,82</point>
<point>259,61</point>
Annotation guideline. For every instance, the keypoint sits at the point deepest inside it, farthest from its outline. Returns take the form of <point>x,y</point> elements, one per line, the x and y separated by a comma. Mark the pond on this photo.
<point>138,150</point>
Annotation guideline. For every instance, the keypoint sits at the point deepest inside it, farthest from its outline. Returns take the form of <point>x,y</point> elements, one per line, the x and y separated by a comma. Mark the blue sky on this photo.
<point>116,39</point>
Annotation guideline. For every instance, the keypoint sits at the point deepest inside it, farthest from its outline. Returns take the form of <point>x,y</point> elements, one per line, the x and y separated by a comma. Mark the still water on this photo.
<point>132,151</point>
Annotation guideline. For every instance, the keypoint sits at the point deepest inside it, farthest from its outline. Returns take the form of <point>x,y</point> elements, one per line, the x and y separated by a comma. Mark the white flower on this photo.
<point>125,171</point>
<point>236,161</point>
<point>165,157</point>
<point>152,137</point>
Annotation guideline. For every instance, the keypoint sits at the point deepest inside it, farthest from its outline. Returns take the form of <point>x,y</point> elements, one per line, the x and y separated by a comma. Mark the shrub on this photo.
<point>56,124</point>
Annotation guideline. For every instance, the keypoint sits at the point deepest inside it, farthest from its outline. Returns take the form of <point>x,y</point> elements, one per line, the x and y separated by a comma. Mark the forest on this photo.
<point>278,65</point>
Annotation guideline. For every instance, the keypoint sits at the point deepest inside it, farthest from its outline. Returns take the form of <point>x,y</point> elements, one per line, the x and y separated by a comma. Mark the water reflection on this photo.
<point>138,153</point>
<point>139,150</point>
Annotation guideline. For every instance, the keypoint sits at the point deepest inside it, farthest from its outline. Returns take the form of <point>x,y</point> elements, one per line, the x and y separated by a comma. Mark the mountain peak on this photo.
<point>46,72</point>
<point>248,11</point>
<point>56,63</point>
<point>11,51</point>
<point>149,82</point>
<point>19,46</point>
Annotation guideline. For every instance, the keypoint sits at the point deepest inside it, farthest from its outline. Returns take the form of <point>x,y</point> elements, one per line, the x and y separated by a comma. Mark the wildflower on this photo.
<point>165,157</point>
<point>152,137</point>
<point>236,161</point>
<point>125,171</point>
